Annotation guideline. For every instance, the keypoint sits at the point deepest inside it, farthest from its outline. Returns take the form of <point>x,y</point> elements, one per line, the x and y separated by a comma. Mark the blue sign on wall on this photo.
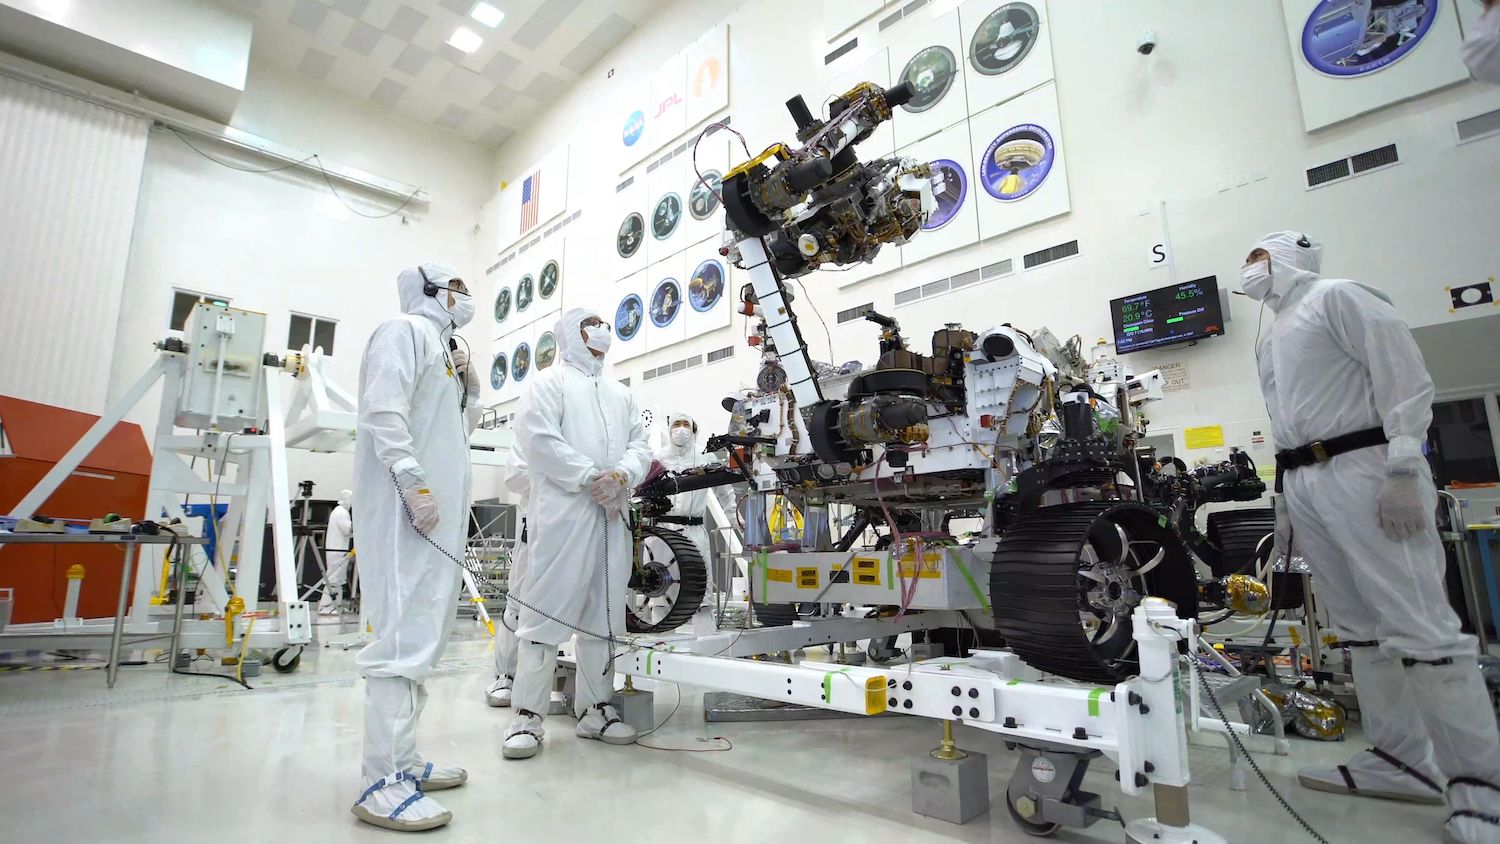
<point>1351,39</point>
<point>635,124</point>
<point>1017,162</point>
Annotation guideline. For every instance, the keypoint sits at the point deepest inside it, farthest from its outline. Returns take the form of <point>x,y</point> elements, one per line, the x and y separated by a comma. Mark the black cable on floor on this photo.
<point>1235,737</point>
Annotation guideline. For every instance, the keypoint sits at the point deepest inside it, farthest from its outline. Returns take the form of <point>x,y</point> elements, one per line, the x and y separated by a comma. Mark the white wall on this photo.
<point>63,248</point>
<point>282,242</point>
<point>1215,102</point>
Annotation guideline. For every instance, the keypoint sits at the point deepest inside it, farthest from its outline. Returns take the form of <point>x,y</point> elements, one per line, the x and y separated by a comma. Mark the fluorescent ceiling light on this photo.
<point>487,15</point>
<point>464,40</point>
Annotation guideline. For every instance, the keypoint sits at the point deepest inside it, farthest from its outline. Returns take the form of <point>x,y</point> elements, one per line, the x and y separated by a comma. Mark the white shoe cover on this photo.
<point>499,694</point>
<point>1476,817</point>
<point>392,807</point>
<point>1374,777</point>
<point>603,723</point>
<point>523,739</point>
<point>433,778</point>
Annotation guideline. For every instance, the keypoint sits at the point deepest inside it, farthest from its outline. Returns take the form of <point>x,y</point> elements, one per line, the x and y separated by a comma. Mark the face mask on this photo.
<point>681,437</point>
<point>1257,278</point>
<point>463,309</point>
<point>598,338</point>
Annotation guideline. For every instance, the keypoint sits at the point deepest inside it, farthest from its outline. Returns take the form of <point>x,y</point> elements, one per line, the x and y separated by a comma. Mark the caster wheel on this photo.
<point>286,660</point>
<point>1030,827</point>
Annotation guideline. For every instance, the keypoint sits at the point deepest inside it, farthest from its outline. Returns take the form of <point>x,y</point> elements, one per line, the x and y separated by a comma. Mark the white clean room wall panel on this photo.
<point>1007,49</point>
<point>930,57</point>
<point>70,176</point>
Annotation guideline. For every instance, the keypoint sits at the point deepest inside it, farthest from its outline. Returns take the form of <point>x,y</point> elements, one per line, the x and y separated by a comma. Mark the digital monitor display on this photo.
<point>1178,313</point>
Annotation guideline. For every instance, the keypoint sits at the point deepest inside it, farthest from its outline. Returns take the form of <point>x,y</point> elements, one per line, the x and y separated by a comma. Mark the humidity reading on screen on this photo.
<point>1177,313</point>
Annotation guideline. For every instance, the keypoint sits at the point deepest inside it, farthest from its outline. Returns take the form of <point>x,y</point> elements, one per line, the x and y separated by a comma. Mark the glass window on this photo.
<point>182,305</point>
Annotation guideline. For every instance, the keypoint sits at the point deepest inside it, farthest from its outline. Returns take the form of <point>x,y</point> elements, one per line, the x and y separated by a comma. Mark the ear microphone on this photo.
<point>1304,242</point>
<point>428,288</point>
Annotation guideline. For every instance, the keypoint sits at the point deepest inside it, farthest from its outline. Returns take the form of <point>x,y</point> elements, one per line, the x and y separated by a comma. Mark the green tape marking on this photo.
<point>649,654</point>
<point>984,601</point>
<point>1014,683</point>
<point>890,570</point>
<point>763,559</point>
<point>1094,702</point>
<point>828,684</point>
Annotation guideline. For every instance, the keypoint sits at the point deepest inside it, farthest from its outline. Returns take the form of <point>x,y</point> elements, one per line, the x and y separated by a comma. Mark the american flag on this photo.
<point>531,201</point>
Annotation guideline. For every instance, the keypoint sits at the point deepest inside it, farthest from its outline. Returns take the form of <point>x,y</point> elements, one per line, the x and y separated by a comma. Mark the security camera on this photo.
<point>1147,43</point>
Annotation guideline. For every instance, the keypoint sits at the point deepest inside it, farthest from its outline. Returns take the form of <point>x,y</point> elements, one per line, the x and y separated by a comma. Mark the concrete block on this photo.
<point>636,707</point>
<point>953,790</point>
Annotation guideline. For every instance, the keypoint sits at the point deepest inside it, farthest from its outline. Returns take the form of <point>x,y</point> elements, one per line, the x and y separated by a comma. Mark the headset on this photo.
<point>431,289</point>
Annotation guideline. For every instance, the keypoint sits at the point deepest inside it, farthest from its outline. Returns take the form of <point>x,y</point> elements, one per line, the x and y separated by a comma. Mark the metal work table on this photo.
<point>130,544</point>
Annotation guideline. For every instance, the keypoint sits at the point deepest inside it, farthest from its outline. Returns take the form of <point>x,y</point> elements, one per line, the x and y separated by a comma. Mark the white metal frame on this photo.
<point>255,493</point>
<point>1141,723</point>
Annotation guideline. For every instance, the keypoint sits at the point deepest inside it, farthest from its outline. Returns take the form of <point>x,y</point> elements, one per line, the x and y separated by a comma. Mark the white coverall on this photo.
<point>690,505</point>
<point>337,543</point>
<point>573,424</point>
<point>1338,359</point>
<point>1481,49</point>
<point>518,481</point>
<point>411,423</point>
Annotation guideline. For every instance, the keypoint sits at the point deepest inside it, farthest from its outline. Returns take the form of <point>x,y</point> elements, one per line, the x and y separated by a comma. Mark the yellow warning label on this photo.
<point>779,575</point>
<point>808,578</point>
<point>932,566</point>
<point>867,571</point>
<point>1207,436</point>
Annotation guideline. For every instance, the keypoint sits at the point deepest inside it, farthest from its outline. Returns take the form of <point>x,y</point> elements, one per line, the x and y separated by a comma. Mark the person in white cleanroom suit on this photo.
<point>418,403</point>
<point>682,452</point>
<point>507,646</point>
<point>337,545</point>
<point>1481,50</point>
<point>1339,360</point>
<point>586,450</point>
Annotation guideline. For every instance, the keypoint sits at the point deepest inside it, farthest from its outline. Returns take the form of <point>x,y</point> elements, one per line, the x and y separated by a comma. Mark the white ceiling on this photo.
<point>392,53</point>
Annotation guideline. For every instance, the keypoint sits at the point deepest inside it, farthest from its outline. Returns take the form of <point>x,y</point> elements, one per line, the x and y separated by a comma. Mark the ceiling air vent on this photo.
<point>966,279</point>
<point>841,51</point>
<point>1479,126</point>
<point>856,313</point>
<point>1367,161</point>
<point>906,297</point>
<point>1047,256</point>
<point>1332,171</point>
<point>721,354</point>
<point>890,20</point>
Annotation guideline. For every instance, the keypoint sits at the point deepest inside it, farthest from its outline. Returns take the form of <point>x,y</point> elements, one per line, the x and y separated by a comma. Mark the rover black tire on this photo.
<point>1238,535</point>
<point>1064,580</point>
<point>673,582</point>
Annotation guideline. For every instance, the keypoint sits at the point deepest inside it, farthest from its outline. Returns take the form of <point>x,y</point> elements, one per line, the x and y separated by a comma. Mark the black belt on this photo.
<point>1322,451</point>
<point>693,521</point>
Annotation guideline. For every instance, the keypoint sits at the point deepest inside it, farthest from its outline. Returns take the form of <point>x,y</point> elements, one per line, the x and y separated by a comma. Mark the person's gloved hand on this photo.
<point>424,509</point>
<point>606,489</point>
<point>1283,528</point>
<point>470,377</point>
<point>1401,506</point>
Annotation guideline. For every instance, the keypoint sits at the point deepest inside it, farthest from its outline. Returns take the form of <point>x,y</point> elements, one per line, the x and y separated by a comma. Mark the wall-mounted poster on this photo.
<point>710,289</point>
<point>546,349</point>
<point>930,56</point>
<point>668,189</point>
<point>629,100</point>
<point>627,251</point>
<point>1007,49</point>
<point>532,197</point>
<point>504,306</point>
<point>628,318</point>
<point>666,324</point>
<point>708,75</point>
<point>511,366</point>
<point>955,223</point>
<point>1355,56</point>
<point>705,211</point>
<point>666,112</point>
<point>1019,173</point>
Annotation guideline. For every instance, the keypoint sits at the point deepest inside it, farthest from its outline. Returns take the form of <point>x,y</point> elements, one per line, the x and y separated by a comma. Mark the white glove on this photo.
<point>470,377</point>
<point>424,509</point>
<point>606,489</point>
<point>1400,505</point>
<point>1283,529</point>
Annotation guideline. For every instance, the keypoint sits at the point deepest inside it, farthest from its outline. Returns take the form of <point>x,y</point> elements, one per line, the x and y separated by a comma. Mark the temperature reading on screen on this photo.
<point>1176,314</point>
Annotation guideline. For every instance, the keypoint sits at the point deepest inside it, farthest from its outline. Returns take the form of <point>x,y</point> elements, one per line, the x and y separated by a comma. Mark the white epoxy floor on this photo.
<point>164,758</point>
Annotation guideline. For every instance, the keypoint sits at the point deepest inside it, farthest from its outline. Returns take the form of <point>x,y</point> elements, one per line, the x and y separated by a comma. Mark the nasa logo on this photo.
<point>635,124</point>
<point>674,100</point>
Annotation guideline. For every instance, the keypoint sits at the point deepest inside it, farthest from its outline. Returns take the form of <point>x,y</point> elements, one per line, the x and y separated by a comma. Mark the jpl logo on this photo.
<point>635,124</point>
<point>674,100</point>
